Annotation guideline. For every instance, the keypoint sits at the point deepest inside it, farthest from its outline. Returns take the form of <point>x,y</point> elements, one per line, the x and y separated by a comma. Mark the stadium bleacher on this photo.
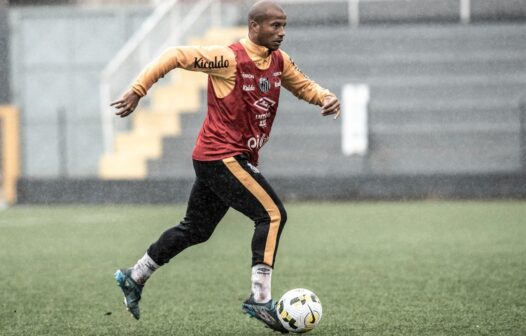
<point>444,99</point>
<point>444,115</point>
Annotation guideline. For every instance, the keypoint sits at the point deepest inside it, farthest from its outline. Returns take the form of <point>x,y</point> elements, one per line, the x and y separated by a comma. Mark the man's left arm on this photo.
<point>294,80</point>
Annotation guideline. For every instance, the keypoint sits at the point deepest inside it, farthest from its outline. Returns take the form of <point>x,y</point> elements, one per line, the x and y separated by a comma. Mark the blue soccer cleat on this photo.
<point>265,312</point>
<point>131,290</point>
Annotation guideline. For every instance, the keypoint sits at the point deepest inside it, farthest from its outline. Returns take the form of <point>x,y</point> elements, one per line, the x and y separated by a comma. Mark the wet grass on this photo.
<point>415,268</point>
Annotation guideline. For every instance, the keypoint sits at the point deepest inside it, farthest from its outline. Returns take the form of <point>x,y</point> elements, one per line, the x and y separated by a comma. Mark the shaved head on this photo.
<point>260,10</point>
<point>266,24</point>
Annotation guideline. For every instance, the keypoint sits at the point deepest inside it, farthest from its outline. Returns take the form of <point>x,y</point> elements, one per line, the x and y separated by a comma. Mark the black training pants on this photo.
<point>232,182</point>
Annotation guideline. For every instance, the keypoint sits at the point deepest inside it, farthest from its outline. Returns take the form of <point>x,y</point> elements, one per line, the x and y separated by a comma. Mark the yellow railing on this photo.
<point>10,152</point>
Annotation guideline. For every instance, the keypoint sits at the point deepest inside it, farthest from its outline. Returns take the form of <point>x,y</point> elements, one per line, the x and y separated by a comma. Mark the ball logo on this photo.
<point>311,319</point>
<point>264,84</point>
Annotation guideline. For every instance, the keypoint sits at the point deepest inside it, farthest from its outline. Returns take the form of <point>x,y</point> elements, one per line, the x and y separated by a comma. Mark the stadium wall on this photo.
<point>373,187</point>
<point>55,82</point>
<point>51,73</point>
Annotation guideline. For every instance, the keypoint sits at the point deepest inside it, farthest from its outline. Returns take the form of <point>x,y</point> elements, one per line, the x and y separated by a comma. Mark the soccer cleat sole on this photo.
<point>251,312</point>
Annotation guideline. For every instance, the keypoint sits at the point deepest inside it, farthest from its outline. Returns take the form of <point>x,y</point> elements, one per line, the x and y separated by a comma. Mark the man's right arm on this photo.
<point>213,60</point>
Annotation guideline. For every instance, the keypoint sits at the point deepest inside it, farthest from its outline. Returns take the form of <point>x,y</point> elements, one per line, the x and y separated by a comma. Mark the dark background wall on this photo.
<point>373,187</point>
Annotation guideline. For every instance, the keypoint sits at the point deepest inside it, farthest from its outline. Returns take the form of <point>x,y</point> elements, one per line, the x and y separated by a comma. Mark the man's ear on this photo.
<point>253,25</point>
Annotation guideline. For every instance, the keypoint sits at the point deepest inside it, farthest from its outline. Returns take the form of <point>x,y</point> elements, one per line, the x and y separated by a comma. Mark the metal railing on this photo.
<point>522,132</point>
<point>167,25</point>
<point>353,8</point>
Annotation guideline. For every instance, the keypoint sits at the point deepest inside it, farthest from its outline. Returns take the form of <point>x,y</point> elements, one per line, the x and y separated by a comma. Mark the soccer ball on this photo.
<point>299,310</point>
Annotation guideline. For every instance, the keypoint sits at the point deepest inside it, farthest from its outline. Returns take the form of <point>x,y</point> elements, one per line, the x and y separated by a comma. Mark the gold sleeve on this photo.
<point>294,80</point>
<point>217,61</point>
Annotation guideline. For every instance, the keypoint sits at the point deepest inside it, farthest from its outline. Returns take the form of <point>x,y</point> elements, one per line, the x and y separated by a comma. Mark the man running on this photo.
<point>244,82</point>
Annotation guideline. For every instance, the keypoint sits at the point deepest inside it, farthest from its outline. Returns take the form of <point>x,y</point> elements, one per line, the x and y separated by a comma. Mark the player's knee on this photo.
<point>195,233</point>
<point>278,214</point>
<point>274,215</point>
<point>200,236</point>
<point>283,215</point>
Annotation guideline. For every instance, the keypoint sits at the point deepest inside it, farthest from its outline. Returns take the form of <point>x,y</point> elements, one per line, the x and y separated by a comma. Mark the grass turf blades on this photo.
<point>415,268</point>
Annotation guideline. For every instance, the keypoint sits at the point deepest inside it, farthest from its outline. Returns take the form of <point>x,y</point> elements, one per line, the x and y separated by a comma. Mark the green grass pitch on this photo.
<point>407,268</point>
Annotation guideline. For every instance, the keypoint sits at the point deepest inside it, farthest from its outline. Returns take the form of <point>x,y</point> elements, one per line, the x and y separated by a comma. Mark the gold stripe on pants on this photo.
<point>264,198</point>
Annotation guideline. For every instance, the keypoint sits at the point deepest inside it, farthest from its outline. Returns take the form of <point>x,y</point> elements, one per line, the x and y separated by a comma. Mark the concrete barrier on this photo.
<point>371,187</point>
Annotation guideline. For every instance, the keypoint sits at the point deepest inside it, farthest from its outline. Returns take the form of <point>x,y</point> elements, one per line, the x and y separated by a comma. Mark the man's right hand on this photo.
<point>331,106</point>
<point>126,104</point>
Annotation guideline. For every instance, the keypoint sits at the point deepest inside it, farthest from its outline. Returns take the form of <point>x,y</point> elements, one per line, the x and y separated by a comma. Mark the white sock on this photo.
<point>143,269</point>
<point>261,280</point>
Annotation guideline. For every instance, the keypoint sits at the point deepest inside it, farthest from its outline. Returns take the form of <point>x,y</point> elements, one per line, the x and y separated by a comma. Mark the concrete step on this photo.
<point>176,159</point>
<point>290,104</point>
<point>455,152</point>
<point>422,65</point>
<point>305,14</point>
<point>424,80</point>
<point>391,152</point>
<point>171,169</point>
<point>413,47</point>
<point>437,89</point>
<point>408,33</point>
<point>307,120</point>
<point>272,166</point>
<point>453,91</point>
<point>404,40</point>
<point>178,148</point>
<point>298,165</point>
<point>272,163</point>
<point>447,116</point>
<point>448,56</point>
<point>491,102</point>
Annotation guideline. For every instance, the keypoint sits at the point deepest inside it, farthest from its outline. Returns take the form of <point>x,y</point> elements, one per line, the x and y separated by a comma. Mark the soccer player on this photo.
<point>244,82</point>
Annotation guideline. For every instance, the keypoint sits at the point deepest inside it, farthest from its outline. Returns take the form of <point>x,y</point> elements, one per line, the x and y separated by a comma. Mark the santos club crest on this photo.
<point>264,84</point>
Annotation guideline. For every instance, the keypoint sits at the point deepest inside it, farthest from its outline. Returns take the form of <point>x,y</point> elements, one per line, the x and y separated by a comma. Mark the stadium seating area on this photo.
<point>444,99</point>
<point>444,117</point>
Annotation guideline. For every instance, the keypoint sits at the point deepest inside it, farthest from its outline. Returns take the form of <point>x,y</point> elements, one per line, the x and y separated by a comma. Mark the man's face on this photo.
<point>270,31</point>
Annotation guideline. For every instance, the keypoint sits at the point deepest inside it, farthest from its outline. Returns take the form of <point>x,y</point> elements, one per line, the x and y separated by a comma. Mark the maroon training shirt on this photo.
<point>240,122</point>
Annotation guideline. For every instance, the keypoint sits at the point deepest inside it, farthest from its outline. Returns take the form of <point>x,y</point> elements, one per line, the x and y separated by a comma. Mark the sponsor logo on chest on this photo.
<point>264,103</point>
<point>257,142</point>
<point>216,63</point>
<point>247,76</point>
<point>248,87</point>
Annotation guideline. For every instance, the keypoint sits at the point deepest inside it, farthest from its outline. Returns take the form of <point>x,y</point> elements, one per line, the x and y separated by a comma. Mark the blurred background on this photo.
<point>433,93</point>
